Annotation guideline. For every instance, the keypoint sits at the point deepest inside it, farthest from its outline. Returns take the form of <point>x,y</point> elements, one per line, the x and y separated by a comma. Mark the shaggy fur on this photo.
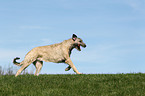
<point>57,53</point>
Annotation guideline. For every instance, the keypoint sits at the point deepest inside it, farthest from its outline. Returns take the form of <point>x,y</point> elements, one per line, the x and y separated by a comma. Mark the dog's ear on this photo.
<point>74,37</point>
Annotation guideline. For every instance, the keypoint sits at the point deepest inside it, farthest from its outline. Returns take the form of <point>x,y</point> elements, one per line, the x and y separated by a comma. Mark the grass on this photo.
<point>73,85</point>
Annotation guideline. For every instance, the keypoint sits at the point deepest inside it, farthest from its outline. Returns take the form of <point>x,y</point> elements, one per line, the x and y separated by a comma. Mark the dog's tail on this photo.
<point>17,63</point>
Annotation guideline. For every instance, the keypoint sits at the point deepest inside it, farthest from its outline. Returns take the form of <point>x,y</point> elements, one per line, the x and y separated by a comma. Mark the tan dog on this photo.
<point>58,53</point>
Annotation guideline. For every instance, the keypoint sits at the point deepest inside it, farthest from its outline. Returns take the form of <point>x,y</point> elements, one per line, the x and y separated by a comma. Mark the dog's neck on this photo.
<point>70,49</point>
<point>70,45</point>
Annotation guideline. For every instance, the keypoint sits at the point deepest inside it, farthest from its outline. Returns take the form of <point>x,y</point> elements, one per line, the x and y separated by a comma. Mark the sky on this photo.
<point>113,30</point>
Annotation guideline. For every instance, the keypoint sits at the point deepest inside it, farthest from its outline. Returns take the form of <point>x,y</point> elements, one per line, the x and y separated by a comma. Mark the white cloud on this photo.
<point>137,5</point>
<point>33,27</point>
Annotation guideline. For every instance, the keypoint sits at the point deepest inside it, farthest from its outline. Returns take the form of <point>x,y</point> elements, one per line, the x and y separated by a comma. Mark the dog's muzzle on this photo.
<point>84,45</point>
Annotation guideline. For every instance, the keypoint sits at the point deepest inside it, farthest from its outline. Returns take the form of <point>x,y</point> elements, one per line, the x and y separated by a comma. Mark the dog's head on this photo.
<point>78,42</point>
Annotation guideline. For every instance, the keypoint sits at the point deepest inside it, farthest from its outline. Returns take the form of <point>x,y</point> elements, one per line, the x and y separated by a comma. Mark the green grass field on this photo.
<point>73,85</point>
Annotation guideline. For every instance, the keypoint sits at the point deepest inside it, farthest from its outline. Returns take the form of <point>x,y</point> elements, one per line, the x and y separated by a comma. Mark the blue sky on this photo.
<point>114,31</point>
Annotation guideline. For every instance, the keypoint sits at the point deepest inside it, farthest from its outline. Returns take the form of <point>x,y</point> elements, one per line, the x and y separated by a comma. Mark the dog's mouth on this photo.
<point>78,47</point>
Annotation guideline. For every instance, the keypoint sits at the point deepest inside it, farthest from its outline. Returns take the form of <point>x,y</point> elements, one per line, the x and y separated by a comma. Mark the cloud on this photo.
<point>33,27</point>
<point>137,5</point>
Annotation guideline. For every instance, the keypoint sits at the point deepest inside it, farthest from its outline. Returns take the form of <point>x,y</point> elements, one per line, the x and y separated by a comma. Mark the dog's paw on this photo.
<point>79,73</point>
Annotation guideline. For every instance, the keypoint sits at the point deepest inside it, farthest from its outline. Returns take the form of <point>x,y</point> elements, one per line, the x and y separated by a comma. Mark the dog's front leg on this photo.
<point>69,62</point>
<point>68,68</point>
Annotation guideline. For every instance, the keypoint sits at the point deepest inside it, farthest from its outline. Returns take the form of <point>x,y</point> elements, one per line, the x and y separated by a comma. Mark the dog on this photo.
<point>57,53</point>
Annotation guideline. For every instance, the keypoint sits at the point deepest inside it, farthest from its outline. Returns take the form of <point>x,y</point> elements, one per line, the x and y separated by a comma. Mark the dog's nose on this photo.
<point>85,45</point>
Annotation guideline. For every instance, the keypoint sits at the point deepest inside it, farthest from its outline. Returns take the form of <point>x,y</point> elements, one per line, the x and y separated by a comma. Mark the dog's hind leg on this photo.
<point>38,64</point>
<point>24,66</point>
<point>26,63</point>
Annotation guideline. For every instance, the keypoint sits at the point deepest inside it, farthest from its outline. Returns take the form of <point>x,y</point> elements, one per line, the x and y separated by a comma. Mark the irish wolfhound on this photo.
<point>58,53</point>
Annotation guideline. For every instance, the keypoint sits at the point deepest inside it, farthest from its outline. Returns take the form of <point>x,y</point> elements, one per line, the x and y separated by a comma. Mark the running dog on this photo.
<point>57,53</point>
